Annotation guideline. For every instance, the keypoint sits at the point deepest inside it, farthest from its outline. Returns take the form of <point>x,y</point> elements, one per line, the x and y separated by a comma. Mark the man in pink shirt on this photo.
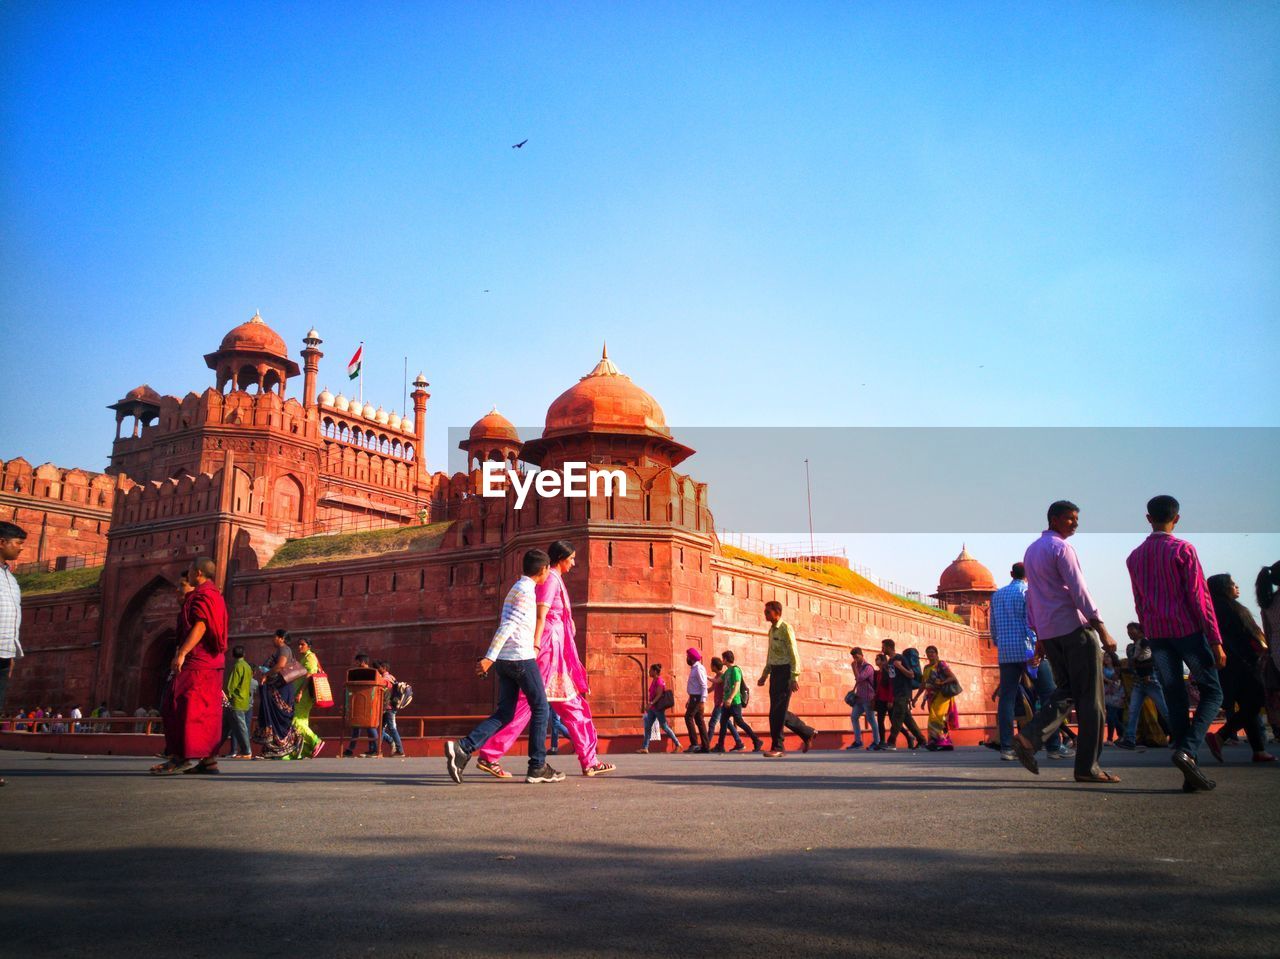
<point>1176,614</point>
<point>1071,636</point>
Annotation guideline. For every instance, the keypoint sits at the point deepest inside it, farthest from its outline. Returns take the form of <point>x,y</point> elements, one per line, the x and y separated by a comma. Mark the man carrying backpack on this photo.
<point>905,674</point>
<point>736,695</point>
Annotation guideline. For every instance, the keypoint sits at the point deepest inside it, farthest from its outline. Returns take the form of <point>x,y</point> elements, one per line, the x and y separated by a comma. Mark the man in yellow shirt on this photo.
<point>782,670</point>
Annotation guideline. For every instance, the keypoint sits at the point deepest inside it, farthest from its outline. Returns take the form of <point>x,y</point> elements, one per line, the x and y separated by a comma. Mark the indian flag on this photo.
<point>353,368</point>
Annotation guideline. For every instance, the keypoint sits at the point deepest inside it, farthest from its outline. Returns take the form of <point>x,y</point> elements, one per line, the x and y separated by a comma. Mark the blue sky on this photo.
<point>821,214</point>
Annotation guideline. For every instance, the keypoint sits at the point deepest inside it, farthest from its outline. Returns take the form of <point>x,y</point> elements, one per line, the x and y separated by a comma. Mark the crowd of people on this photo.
<point>1056,657</point>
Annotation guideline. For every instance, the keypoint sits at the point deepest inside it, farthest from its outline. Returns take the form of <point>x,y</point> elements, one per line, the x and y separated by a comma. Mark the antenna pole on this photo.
<point>808,492</point>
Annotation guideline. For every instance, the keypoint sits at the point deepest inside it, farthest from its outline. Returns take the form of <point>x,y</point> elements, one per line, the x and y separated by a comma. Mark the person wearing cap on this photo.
<point>694,718</point>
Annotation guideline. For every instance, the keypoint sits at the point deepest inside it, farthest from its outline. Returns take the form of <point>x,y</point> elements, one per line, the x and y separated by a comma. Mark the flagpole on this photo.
<point>361,371</point>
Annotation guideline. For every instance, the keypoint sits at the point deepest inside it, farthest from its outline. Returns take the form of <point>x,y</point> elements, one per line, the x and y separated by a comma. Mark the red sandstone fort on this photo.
<point>272,487</point>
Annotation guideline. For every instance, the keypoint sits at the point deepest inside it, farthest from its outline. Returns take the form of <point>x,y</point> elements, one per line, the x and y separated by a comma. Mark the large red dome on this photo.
<point>605,401</point>
<point>966,574</point>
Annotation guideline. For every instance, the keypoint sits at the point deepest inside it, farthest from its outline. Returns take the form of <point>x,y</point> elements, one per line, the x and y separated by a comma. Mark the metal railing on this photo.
<point>811,557</point>
<point>435,512</point>
<point>59,563</point>
<point>411,727</point>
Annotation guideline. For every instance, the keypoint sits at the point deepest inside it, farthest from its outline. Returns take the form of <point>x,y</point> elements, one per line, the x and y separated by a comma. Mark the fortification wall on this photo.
<point>66,512</point>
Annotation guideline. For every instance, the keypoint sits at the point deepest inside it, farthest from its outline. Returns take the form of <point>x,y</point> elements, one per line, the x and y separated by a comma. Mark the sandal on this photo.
<point>202,769</point>
<point>599,769</point>
<point>1102,777</point>
<point>493,769</point>
<point>168,768</point>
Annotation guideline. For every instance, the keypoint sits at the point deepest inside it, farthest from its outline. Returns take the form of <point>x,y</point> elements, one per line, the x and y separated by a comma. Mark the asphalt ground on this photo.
<point>825,854</point>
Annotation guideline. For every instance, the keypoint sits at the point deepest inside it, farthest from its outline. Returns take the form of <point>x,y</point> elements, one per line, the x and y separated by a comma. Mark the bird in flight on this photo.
<point>517,146</point>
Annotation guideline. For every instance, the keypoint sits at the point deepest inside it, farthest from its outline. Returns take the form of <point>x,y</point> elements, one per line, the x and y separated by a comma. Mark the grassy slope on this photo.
<point>828,574</point>
<point>343,546</point>
<point>61,581</point>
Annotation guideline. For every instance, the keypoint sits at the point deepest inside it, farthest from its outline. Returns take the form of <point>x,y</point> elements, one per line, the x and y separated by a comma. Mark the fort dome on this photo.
<point>494,426</point>
<point>325,398</point>
<point>605,401</point>
<point>143,393</point>
<point>966,574</point>
<point>254,336</point>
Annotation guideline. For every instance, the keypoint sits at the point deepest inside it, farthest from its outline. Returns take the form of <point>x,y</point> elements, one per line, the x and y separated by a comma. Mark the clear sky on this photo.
<point>776,214</point>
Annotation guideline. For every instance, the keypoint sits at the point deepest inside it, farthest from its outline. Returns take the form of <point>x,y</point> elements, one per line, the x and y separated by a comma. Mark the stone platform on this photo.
<point>828,854</point>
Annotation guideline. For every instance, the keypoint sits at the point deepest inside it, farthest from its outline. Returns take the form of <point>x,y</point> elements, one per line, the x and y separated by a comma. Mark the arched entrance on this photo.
<point>147,638</point>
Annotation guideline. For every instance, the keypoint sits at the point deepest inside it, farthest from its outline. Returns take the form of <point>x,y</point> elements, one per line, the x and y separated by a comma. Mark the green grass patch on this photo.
<point>829,574</point>
<point>334,547</point>
<point>59,581</point>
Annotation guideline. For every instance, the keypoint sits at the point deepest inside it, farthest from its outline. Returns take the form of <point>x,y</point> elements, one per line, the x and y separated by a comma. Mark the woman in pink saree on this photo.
<point>563,675</point>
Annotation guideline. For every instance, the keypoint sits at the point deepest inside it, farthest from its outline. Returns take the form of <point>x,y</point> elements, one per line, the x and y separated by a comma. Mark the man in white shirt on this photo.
<point>12,539</point>
<point>694,712</point>
<point>513,653</point>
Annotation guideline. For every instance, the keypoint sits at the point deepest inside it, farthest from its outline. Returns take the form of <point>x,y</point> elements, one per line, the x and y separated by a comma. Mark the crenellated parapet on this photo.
<point>18,478</point>
<point>157,500</point>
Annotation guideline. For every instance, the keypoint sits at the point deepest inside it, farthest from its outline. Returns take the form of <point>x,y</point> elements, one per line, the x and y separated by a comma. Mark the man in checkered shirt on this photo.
<point>1015,643</point>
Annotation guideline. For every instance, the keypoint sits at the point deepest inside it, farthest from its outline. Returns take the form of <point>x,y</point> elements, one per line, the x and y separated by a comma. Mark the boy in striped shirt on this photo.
<point>514,655</point>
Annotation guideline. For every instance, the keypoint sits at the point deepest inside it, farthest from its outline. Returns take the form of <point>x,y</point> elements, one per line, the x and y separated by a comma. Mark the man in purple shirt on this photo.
<point>1071,637</point>
<point>1176,614</point>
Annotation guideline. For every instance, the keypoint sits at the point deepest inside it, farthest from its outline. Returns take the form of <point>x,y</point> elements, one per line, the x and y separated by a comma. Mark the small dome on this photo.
<point>406,424</point>
<point>144,393</point>
<point>312,334</point>
<point>394,421</point>
<point>369,412</point>
<point>966,574</point>
<point>254,336</point>
<point>605,401</point>
<point>494,426</point>
<point>381,415</point>
<point>340,402</point>
<point>325,398</point>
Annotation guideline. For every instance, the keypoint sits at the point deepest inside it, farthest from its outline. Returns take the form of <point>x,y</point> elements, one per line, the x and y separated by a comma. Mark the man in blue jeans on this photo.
<point>1177,617</point>
<point>1145,686</point>
<point>1015,643</point>
<point>514,657</point>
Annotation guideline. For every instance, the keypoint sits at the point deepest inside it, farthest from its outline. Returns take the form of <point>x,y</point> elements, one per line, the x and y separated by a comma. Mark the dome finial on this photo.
<point>605,367</point>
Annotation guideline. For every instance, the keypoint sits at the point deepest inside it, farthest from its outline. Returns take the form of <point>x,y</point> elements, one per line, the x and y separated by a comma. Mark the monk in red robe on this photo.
<point>193,705</point>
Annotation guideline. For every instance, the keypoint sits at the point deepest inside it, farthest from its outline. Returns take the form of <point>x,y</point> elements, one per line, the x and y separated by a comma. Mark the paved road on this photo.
<point>829,854</point>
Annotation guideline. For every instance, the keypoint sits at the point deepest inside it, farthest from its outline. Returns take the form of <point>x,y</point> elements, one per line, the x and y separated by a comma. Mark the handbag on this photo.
<point>292,673</point>
<point>950,689</point>
<point>321,691</point>
<point>666,701</point>
<point>850,698</point>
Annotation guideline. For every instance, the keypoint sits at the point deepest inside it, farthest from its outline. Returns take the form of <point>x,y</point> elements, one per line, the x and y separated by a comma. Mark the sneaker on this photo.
<point>544,774</point>
<point>643,752</point>
<point>773,754</point>
<point>717,749</point>
<point>493,769</point>
<point>455,759</point>
<point>398,752</point>
<point>806,743</point>
<point>888,749</point>
<point>1125,744</point>
<point>553,751</point>
<point>738,748</point>
<point>1263,758</point>
<point>348,753</point>
<point>1008,756</point>
<point>757,745</point>
<point>854,746</point>
<point>599,769</point>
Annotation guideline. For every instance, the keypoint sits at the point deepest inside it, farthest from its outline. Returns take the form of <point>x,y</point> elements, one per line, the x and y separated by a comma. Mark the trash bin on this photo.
<point>364,698</point>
